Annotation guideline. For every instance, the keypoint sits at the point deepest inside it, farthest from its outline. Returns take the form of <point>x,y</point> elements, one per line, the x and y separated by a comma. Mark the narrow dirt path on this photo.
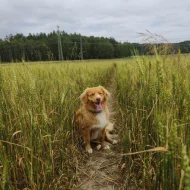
<point>102,169</point>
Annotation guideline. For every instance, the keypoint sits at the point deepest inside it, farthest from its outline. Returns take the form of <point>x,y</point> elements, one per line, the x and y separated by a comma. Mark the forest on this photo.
<point>44,47</point>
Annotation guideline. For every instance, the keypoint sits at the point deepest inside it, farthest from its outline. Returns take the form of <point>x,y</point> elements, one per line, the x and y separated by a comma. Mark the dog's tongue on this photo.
<point>98,106</point>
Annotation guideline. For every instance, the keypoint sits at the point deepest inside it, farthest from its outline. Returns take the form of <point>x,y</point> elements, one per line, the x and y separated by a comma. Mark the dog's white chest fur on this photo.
<point>101,117</point>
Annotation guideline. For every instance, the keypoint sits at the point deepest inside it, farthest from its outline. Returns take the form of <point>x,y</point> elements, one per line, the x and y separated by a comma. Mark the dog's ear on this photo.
<point>106,93</point>
<point>83,96</point>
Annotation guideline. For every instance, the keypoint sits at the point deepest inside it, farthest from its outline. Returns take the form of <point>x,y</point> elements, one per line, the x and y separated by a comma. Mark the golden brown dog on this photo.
<point>93,117</point>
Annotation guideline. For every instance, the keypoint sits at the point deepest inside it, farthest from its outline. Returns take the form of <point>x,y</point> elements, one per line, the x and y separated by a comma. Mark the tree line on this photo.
<point>44,47</point>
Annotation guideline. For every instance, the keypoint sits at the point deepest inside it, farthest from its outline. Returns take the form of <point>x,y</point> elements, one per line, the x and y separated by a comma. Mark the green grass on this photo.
<point>37,105</point>
<point>154,95</point>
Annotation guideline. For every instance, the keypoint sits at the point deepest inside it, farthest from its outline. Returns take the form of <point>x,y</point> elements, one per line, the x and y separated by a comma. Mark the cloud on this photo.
<point>121,19</point>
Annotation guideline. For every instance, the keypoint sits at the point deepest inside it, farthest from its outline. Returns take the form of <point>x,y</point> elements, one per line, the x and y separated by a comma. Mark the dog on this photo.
<point>92,118</point>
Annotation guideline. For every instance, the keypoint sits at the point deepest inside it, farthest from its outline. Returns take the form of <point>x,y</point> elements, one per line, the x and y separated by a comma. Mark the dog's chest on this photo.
<point>101,117</point>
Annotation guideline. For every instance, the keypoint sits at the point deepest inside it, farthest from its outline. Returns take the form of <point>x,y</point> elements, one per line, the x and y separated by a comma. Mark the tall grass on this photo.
<point>37,105</point>
<point>154,94</point>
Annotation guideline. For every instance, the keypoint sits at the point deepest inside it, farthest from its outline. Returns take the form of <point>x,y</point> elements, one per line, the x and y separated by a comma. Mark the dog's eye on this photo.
<point>100,92</point>
<point>92,94</point>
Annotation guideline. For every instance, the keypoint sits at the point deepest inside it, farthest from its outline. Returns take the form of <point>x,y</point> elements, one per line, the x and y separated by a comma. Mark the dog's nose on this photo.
<point>98,99</point>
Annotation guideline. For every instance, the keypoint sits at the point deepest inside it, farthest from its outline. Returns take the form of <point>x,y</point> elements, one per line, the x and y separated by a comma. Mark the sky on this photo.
<point>120,19</point>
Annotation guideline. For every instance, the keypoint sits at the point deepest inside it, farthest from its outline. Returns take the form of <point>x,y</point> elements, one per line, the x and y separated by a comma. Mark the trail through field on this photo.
<point>102,169</point>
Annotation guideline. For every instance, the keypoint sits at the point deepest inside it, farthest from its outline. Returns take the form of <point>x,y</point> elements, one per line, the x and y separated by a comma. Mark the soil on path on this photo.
<point>102,169</point>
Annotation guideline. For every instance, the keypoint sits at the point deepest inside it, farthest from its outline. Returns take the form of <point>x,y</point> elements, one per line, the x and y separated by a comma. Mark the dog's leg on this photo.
<point>102,140</point>
<point>98,147</point>
<point>109,128</point>
<point>107,137</point>
<point>86,137</point>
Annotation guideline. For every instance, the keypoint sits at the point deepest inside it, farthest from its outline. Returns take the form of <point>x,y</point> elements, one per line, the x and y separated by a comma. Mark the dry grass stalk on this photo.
<point>156,149</point>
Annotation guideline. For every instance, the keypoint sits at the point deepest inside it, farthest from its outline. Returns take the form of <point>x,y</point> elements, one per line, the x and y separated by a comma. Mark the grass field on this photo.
<point>154,95</point>
<point>37,105</point>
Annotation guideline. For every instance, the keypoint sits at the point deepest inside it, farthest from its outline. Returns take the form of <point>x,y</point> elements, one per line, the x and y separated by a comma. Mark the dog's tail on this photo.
<point>109,127</point>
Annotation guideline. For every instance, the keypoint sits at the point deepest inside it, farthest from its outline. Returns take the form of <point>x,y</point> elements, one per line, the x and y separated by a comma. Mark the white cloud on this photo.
<point>121,19</point>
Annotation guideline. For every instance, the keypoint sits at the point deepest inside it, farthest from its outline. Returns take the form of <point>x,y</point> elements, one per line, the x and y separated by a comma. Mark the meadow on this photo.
<point>37,105</point>
<point>154,96</point>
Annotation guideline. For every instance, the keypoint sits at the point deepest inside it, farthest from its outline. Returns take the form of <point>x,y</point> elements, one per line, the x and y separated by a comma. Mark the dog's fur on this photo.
<point>93,117</point>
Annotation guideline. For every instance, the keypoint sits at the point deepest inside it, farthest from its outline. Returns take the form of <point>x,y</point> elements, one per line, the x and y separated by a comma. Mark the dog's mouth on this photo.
<point>97,106</point>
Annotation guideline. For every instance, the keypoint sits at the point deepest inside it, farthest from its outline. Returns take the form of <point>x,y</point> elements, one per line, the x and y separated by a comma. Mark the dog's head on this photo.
<point>95,97</point>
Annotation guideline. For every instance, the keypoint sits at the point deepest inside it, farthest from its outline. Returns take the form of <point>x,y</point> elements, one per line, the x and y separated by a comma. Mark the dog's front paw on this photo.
<point>114,142</point>
<point>99,147</point>
<point>90,150</point>
<point>107,147</point>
